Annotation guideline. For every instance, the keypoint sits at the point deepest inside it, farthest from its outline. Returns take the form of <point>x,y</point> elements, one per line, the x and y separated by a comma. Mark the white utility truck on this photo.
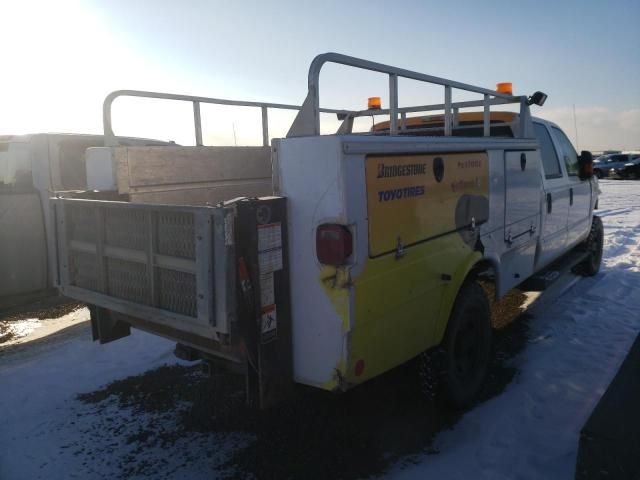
<point>327,260</point>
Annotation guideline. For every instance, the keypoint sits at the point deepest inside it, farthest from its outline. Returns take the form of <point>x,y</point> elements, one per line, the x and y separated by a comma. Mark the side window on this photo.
<point>567,151</point>
<point>549,158</point>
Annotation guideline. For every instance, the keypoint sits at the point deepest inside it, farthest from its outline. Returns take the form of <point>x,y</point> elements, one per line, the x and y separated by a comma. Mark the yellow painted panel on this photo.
<point>399,303</point>
<point>412,198</point>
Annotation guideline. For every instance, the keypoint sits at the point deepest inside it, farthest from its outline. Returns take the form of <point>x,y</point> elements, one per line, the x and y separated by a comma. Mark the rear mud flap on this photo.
<point>106,326</point>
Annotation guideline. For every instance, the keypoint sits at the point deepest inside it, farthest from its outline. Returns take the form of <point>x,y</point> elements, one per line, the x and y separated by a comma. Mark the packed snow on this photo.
<point>577,339</point>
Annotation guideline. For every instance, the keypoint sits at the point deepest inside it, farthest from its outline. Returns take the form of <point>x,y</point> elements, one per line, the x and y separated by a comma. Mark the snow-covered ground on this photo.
<point>575,345</point>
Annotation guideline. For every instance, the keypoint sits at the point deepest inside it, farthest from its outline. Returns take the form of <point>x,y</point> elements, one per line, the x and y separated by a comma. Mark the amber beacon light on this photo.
<point>374,103</point>
<point>504,87</point>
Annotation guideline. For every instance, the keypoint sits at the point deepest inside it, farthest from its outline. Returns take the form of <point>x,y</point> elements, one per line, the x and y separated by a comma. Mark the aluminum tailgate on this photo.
<point>166,264</point>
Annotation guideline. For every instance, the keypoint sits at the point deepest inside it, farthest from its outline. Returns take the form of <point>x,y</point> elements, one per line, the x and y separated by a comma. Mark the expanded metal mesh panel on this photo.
<point>177,291</point>
<point>176,234</point>
<point>144,255</point>
<point>126,228</point>
<point>128,280</point>
<point>83,270</point>
<point>82,223</point>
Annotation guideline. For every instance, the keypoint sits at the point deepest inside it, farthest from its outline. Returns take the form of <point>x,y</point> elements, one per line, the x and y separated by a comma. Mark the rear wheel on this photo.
<point>467,346</point>
<point>598,173</point>
<point>593,245</point>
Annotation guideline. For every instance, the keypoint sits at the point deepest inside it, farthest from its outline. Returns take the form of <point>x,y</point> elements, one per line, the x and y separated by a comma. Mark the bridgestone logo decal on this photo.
<point>385,171</point>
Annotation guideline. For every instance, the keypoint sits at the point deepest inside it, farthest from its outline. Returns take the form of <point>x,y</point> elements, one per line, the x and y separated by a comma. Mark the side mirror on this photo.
<point>537,98</point>
<point>585,165</point>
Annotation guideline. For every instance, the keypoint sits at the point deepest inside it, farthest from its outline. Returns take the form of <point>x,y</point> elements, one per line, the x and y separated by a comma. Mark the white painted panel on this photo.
<point>554,223</point>
<point>517,265</point>
<point>309,175</point>
<point>101,169</point>
<point>579,218</point>
<point>523,185</point>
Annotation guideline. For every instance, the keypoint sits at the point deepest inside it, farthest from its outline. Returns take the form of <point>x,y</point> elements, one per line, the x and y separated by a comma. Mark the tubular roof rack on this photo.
<point>111,140</point>
<point>307,122</point>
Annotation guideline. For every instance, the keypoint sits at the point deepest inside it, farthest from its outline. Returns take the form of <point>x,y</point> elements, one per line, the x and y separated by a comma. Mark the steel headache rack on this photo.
<point>307,121</point>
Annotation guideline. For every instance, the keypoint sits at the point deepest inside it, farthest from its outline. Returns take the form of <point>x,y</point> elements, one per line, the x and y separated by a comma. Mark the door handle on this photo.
<point>549,203</point>
<point>570,196</point>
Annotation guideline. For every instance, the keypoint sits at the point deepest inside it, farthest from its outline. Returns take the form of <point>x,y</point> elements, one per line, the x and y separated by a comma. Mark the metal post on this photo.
<point>524,117</point>
<point>456,117</point>
<point>314,92</point>
<point>447,111</point>
<point>100,258</point>
<point>486,117</point>
<point>198,123</point>
<point>265,127</point>
<point>403,121</point>
<point>151,248</point>
<point>393,104</point>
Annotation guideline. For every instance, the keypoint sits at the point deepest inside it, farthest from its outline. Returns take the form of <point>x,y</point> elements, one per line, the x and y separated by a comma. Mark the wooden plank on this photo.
<point>122,169</point>
<point>206,195</point>
<point>148,166</point>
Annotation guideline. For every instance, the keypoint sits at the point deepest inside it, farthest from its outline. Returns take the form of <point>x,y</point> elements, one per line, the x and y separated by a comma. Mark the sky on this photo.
<point>60,59</point>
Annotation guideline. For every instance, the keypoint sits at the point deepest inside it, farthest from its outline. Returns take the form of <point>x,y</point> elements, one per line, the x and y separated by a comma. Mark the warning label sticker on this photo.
<point>269,236</point>
<point>270,248</point>
<point>267,296</point>
<point>268,324</point>
<point>270,261</point>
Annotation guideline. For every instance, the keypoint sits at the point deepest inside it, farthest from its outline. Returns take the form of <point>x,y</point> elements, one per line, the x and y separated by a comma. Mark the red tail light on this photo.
<point>334,244</point>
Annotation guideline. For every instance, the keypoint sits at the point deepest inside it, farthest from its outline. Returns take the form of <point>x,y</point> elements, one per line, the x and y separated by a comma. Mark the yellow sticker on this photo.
<point>412,198</point>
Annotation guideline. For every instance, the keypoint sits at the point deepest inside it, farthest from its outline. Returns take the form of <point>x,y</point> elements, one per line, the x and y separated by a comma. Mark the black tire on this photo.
<point>593,244</point>
<point>598,173</point>
<point>467,346</point>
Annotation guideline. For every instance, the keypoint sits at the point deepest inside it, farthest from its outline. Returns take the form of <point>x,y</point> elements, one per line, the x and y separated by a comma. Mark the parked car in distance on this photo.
<point>603,165</point>
<point>629,170</point>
